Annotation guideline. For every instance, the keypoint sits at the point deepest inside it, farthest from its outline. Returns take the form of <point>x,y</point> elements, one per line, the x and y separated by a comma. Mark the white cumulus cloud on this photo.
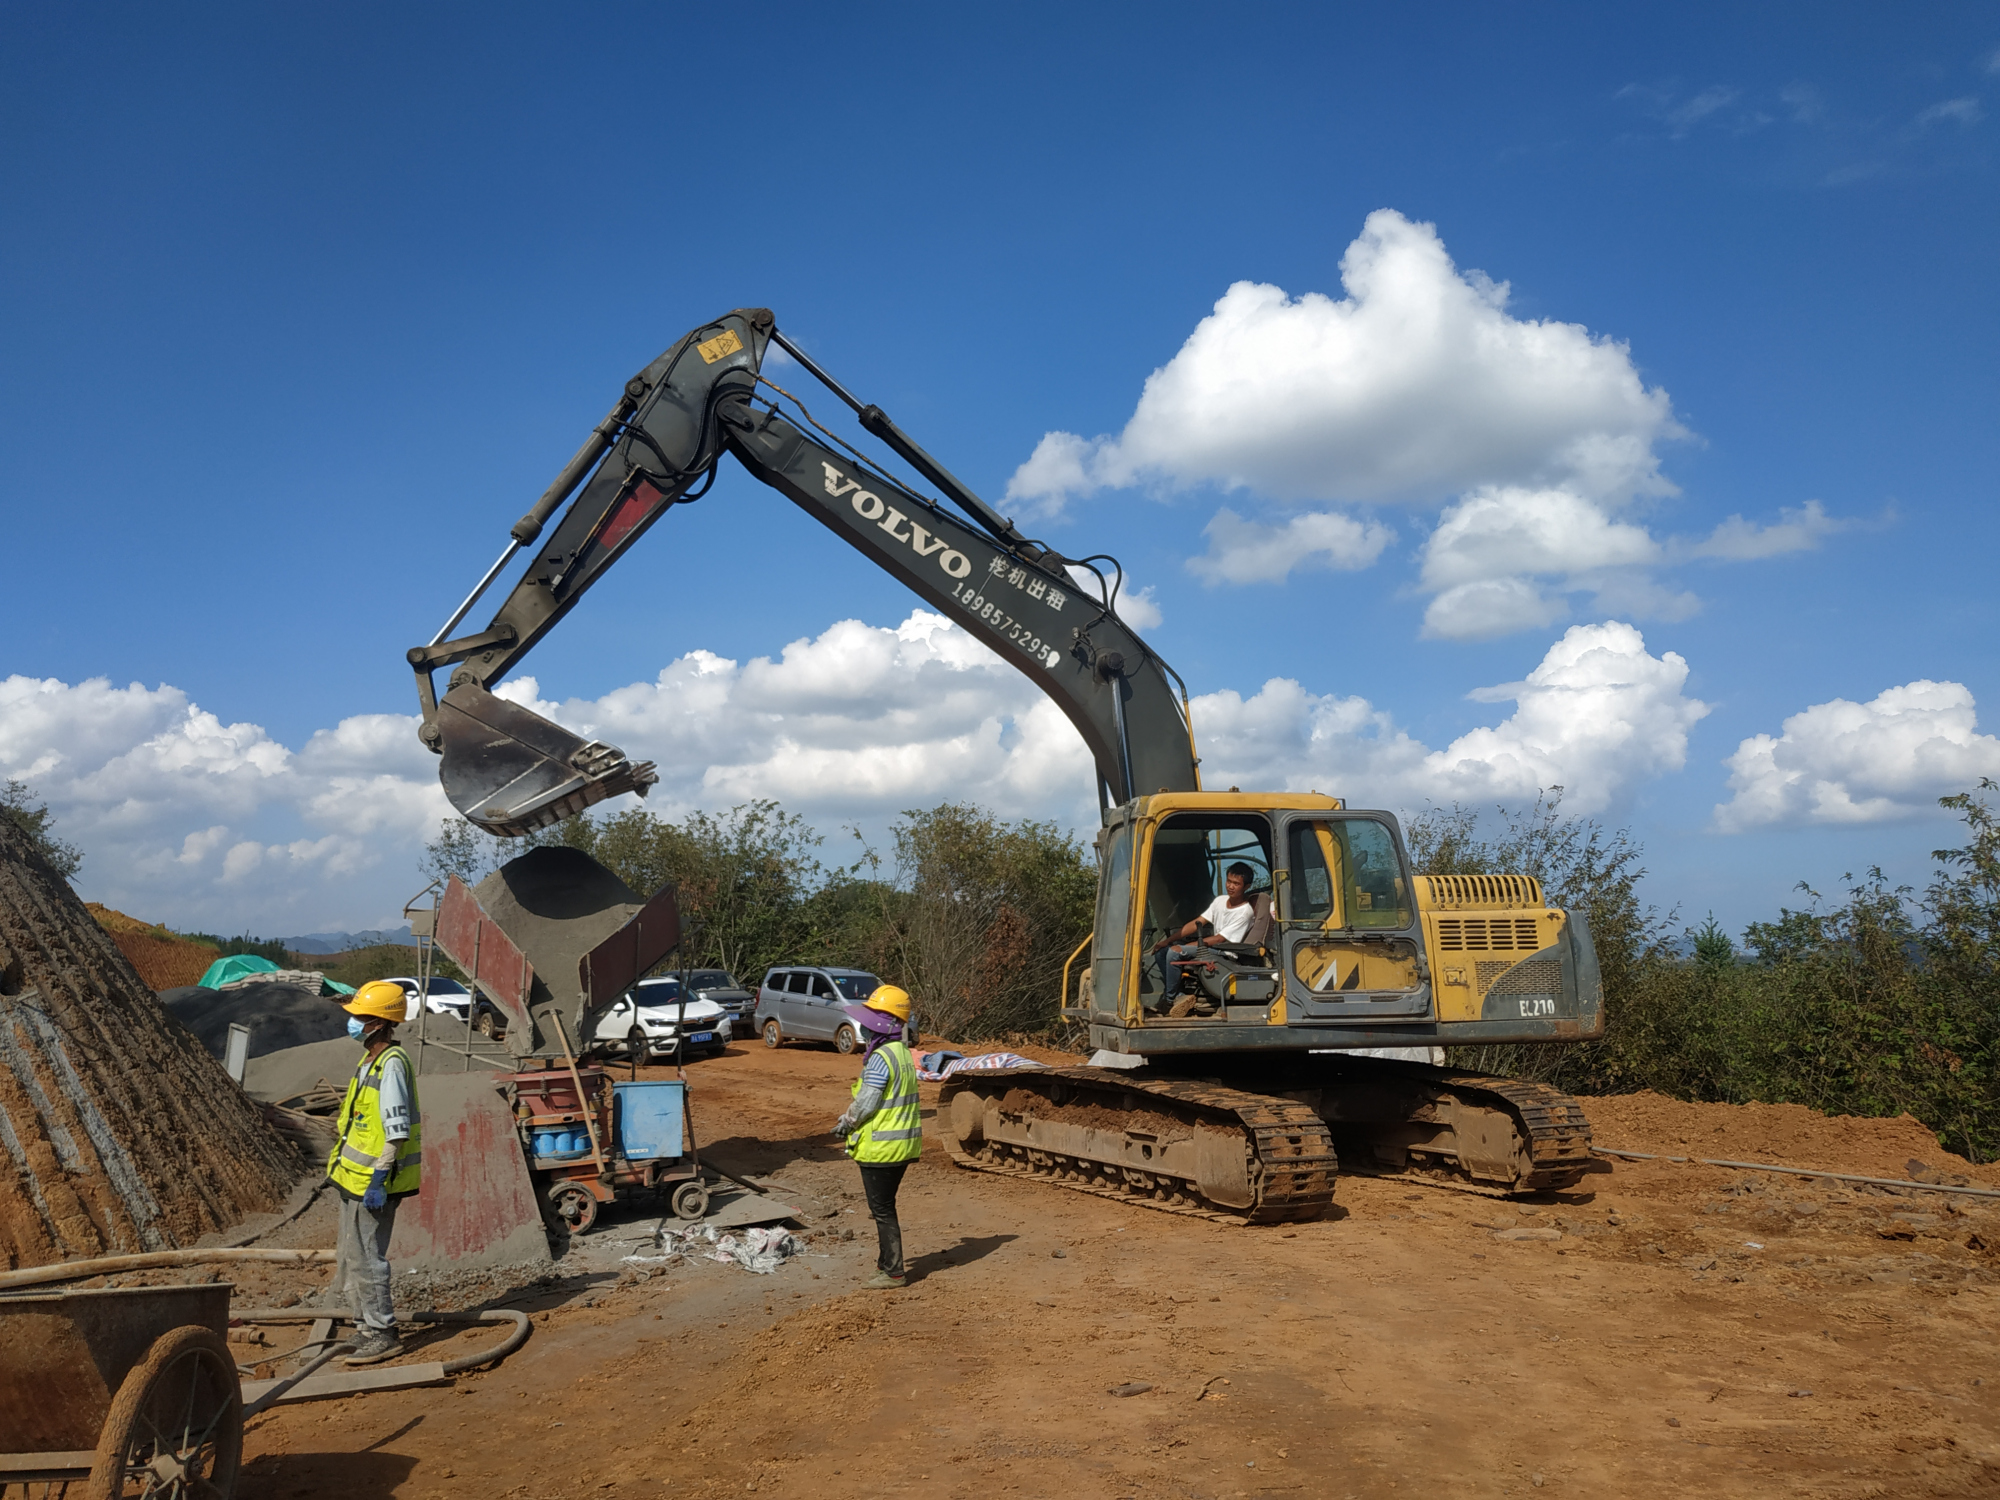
<point>859,721</point>
<point>1738,540</point>
<point>1417,384</point>
<point>1842,762</point>
<point>1539,438</point>
<point>1598,715</point>
<point>175,809</point>
<point>219,826</point>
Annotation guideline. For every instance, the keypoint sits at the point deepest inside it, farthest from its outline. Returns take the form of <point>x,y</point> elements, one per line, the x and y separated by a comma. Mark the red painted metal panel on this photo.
<point>477,1202</point>
<point>609,969</point>
<point>475,942</point>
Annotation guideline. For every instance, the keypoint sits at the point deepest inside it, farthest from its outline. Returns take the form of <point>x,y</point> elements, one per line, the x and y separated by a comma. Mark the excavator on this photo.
<point>1229,1084</point>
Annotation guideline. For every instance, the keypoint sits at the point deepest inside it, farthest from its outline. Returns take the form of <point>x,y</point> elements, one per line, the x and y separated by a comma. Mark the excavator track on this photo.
<point>1181,1145</point>
<point>1500,1136</point>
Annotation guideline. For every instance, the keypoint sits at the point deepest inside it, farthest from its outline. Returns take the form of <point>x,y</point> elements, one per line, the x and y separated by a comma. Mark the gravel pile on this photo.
<point>278,1015</point>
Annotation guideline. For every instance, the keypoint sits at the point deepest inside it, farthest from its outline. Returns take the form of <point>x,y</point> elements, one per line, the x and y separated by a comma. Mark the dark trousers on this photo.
<point>879,1182</point>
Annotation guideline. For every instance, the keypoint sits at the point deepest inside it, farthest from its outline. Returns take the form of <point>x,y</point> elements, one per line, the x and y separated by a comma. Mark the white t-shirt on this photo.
<point>1230,922</point>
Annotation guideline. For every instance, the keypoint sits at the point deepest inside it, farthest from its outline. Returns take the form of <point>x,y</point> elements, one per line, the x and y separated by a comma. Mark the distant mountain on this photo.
<point>340,942</point>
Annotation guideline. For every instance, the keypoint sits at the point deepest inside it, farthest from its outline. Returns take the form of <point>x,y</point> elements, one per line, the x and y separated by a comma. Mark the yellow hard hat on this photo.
<point>890,1000</point>
<point>381,999</point>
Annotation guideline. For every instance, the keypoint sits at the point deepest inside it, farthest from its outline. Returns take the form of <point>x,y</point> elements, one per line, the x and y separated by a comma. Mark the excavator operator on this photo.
<point>1228,917</point>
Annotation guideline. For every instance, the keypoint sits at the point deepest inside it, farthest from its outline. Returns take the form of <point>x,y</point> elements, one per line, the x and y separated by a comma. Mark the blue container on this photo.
<point>651,1117</point>
<point>545,1143</point>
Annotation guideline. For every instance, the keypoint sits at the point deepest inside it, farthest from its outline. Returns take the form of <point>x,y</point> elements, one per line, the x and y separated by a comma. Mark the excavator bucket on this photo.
<point>510,770</point>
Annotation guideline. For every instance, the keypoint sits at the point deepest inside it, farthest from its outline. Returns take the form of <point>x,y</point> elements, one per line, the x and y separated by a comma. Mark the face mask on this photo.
<point>355,1028</point>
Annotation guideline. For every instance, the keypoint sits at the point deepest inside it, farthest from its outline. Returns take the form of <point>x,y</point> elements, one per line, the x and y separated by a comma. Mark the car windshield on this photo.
<point>445,987</point>
<point>857,986</point>
<point>711,979</point>
<point>658,992</point>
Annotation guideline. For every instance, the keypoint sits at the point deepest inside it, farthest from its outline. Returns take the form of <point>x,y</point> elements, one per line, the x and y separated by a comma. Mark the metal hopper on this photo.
<point>550,936</point>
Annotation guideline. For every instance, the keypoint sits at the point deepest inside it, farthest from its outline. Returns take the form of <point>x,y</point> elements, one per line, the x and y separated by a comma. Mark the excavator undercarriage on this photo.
<point>1263,1148</point>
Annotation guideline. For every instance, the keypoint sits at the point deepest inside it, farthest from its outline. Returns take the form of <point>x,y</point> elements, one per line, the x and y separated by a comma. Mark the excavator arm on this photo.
<point>510,770</point>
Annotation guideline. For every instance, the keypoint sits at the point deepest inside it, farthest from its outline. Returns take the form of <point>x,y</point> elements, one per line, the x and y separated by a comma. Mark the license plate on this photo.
<point>702,1036</point>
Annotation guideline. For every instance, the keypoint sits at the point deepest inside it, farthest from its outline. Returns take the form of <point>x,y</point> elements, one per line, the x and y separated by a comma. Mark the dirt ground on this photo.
<point>1691,1329</point>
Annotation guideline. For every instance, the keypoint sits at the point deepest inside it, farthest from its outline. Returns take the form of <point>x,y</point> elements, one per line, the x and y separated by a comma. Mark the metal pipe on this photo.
<point>1114,677</point>
<point>582,1102</point>
<point>104,1265</point>
<point>473,598</point>
<point>877,421</point>
<point>525,530</point>
<point>1758,1166</point>
<point>814,370</point>
<point>276,1393</point>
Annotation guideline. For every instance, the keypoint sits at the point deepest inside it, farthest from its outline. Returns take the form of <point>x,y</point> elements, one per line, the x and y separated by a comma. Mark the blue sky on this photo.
<point>303,308</point>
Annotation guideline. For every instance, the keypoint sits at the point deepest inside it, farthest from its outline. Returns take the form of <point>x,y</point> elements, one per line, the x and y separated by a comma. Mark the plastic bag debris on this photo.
<point>760,1250</point>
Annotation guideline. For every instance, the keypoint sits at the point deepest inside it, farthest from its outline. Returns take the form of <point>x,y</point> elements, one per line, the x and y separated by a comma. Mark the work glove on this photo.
<point>377,1195</point>
<point>841,1128</point>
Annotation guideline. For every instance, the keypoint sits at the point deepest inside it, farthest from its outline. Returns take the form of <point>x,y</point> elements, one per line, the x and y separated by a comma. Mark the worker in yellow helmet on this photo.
<point>377,1161</point>
<point>881,1127</point>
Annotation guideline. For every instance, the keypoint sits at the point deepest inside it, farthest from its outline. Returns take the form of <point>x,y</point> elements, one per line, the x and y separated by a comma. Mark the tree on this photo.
<point>18,806</point>
<point>1713,947</point>
<point>992,912</point>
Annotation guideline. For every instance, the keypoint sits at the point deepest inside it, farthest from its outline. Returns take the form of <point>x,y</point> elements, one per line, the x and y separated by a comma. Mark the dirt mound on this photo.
<point>122,1134</point>
<point>1788,1135</point>
<point>279,1015</point>
<point>163,959</point>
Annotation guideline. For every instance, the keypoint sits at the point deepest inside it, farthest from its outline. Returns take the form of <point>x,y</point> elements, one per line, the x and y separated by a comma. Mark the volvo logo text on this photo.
<point>872,507</point>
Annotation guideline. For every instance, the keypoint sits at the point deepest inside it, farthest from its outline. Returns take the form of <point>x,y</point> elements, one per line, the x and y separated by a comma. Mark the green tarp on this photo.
<point>236,966</point>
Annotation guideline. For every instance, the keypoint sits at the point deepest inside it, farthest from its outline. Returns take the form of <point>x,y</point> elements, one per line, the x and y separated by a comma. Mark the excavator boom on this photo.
<point>510,770</point>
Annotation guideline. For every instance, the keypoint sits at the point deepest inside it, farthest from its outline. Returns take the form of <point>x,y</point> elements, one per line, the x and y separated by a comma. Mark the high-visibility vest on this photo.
<point>360,1139</point>
<point>894,1132</point>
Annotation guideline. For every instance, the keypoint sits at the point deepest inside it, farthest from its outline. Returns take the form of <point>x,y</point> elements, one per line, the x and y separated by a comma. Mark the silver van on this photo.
<point>801,1004</point>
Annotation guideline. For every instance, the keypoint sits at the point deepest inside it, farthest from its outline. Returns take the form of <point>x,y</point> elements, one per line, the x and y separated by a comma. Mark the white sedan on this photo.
<point>654,1006</point>
<point>442,997</point>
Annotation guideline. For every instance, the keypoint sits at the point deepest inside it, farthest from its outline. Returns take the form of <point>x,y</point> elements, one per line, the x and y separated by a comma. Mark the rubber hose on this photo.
<point>497,1353</point>
<point>72,1270</point>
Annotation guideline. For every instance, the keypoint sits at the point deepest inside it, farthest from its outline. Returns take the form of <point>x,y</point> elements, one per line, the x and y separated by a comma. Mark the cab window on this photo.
<point>1345,873</point>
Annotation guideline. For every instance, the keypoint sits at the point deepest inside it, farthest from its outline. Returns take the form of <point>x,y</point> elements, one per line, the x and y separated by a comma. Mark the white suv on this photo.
<point>654,1007</point>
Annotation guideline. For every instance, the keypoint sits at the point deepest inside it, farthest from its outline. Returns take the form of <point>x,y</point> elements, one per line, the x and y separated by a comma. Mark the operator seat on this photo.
<point>1244,973</point>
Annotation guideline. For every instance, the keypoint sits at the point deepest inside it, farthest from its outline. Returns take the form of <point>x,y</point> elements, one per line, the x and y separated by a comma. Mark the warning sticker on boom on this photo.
<point>723,343</point>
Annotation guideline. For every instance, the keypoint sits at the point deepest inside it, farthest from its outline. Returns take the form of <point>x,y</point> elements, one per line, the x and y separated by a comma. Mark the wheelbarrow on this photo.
<point>123,1392</point>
